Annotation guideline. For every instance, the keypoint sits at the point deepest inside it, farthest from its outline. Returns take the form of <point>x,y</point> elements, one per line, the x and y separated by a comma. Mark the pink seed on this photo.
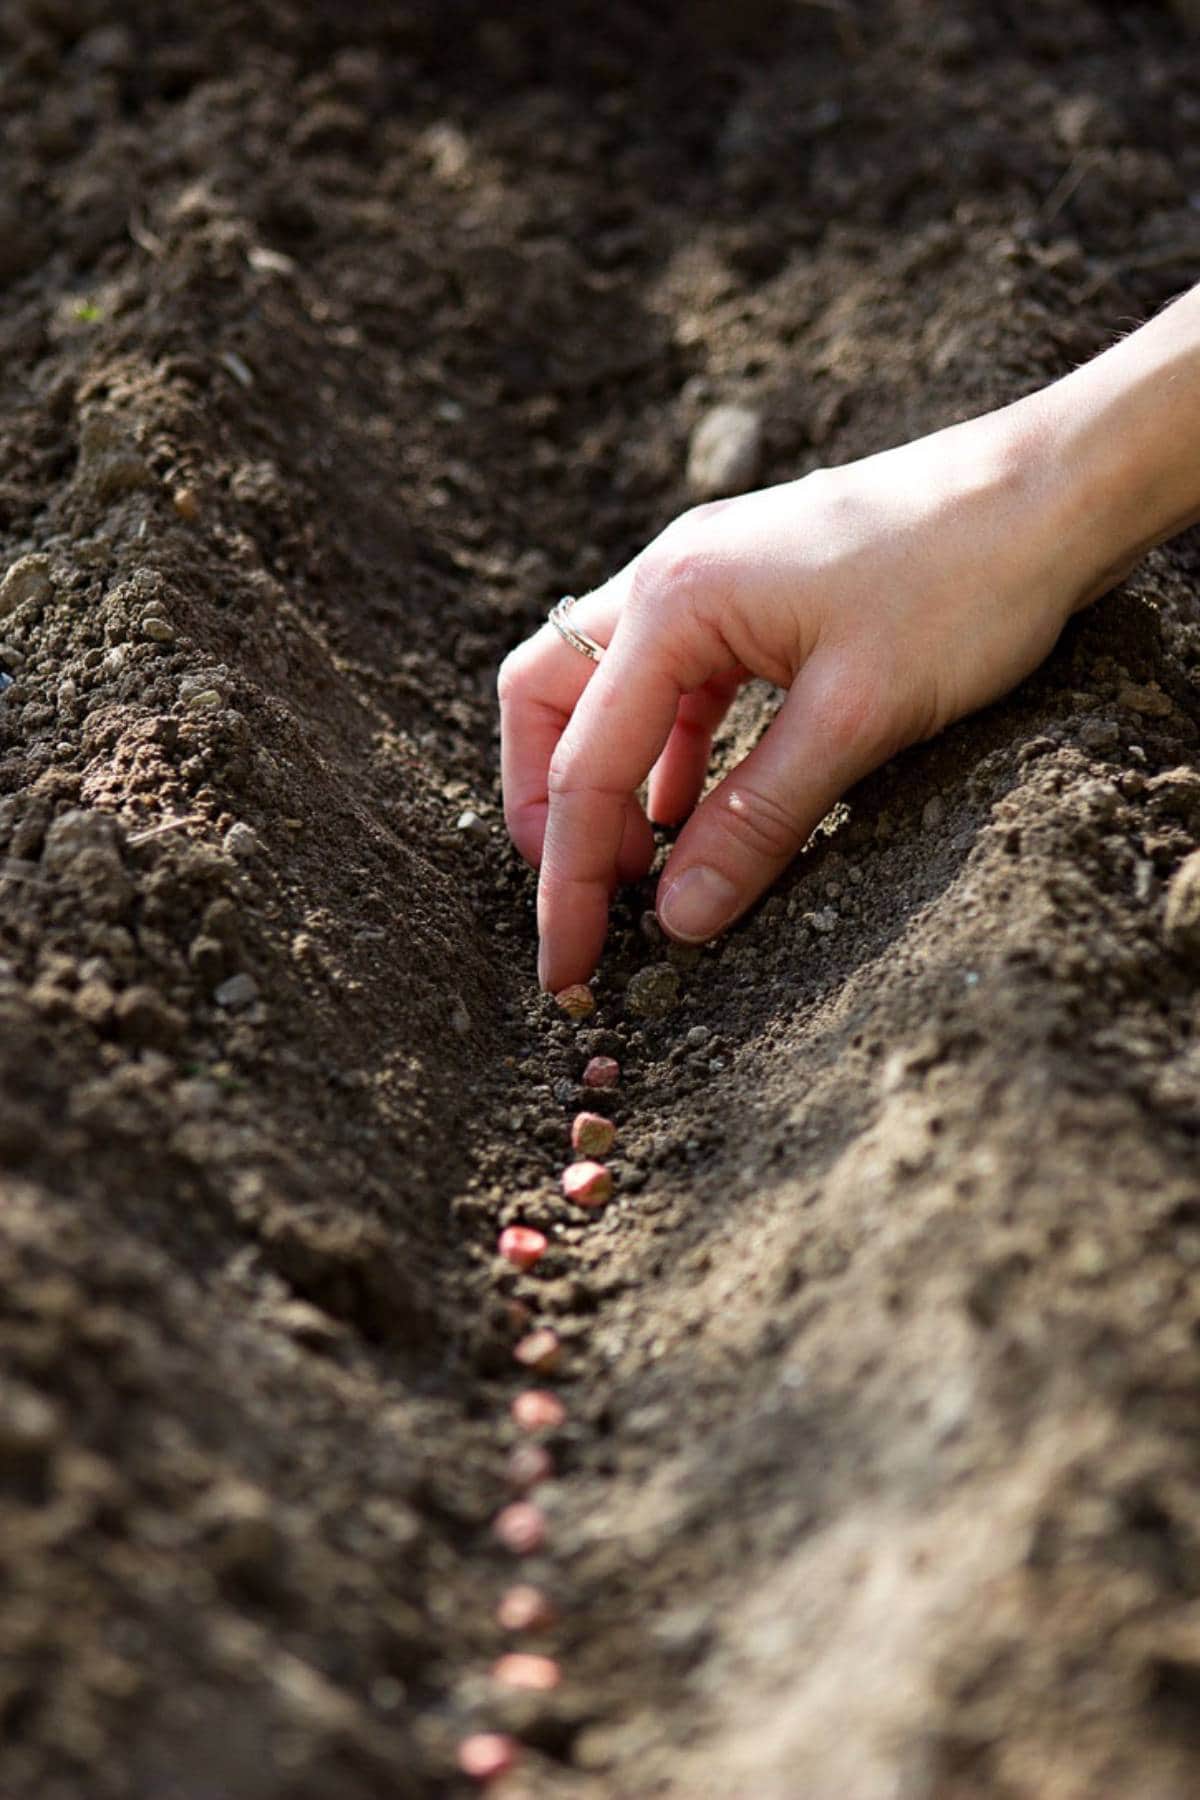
<point>519,1669</point>
<point>522,1246</point>
<point>538,1410</point>
<point>592,1134</point>
<point>577,1001</point>
<point>587,1183</point>
<point>488,1754</point>
<point>602,1072</point>
<point>525,1608</point>
<point>541,1350</point>
<point>520,1527</point>
<point>528,1464</point>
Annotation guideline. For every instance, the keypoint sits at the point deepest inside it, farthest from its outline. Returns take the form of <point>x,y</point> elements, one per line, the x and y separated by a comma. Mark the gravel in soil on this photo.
<point>335,344</point>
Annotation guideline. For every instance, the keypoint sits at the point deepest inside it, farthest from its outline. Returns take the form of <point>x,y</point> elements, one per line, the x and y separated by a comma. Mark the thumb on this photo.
<point>826,736</point>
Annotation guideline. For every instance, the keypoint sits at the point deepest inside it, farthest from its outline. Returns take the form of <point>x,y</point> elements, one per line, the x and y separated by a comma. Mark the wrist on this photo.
<point>1119,441</point>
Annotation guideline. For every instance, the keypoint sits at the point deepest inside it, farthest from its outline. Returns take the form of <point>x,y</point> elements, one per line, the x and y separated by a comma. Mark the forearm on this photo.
<point>1125,432</point>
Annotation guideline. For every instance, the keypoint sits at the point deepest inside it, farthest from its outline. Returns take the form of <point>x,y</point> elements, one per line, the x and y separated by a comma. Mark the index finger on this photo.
<point>539,687</point>
<point>608,747</point>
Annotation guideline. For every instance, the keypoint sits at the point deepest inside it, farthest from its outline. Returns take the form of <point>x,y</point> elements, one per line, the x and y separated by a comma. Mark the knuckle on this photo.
<point>856,715</point>
<point>760,823</point>
<point>562,773</point>
<point>510,675</point>
<point>703,514</point>
<point>674,567</point>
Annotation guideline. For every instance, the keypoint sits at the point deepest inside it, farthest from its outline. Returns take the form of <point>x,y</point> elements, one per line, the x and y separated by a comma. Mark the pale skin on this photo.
<point>889,597</point>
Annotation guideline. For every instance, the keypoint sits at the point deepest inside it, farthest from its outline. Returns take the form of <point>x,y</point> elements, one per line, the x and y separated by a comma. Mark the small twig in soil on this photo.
<point>155,831</point>
<point>1067,184</point>
<point>238,368</point>
<point>146,239</point>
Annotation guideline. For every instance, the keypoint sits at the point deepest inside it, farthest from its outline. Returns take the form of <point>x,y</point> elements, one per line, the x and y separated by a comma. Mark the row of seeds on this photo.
<point>521,1526</point>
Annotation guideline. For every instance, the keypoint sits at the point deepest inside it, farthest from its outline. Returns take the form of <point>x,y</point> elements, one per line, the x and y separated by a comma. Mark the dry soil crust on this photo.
<point>334,343</point>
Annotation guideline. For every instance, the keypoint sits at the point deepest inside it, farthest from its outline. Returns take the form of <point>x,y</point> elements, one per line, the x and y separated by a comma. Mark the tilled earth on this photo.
<point>335,343</point>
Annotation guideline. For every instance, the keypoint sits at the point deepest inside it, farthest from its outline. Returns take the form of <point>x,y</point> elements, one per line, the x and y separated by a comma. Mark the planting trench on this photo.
<point>331,351</point>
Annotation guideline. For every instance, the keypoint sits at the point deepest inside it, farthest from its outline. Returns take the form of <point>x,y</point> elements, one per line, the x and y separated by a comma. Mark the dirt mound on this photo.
<point>332,349</point>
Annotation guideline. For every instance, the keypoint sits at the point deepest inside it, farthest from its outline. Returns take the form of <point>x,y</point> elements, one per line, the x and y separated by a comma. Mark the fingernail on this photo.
<point>697,904</point>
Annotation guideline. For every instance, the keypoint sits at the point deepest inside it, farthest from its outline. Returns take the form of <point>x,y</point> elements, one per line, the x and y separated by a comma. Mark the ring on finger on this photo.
<point>571,634</point>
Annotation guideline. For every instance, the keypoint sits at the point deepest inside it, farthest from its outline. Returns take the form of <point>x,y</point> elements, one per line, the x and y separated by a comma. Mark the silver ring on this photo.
<point>578,640</point>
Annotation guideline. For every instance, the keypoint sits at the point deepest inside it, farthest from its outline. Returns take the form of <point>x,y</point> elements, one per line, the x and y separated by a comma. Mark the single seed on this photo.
<point>528,1464</point>
<point>520,1527</point>
<point>524,1608</point>
<point>587,1183</point>
<point>602,1072</point>
<point>522,1246</point>
<point>520,1669</point>
<point>577,1001</point>
<point>537,1409</point>
<point>488,1754</point>
<point>540,1350</point>
<point>592,1134</point>
<point>186,504</point>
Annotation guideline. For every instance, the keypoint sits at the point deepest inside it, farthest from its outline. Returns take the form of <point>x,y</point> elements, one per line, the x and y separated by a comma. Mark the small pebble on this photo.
<point>602,1072</point>
<point>577,1001</point>
<point>724,453</point>
<point>26,579</point>
<point>541,1350</point>
<point>538,1410</point>
<point>587,1183</point>
<point>520,1669</point>
<point>242,841</point>
<point>520,1527</point>
<point>522,1246</point>
<point>470,822</point>
<point>524,1608</point>
<point>270,262</point>
<point>1100,734</point>
<point>592,1134</point>
<point>158,629</point>
<point>1181,922</point>
<point>653,992</point>
<point>527,1465</point>
<point>237,992</point>
<point>488,1754</point>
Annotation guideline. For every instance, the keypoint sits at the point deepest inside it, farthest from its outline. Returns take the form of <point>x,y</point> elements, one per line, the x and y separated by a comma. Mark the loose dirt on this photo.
<point>335,344</point>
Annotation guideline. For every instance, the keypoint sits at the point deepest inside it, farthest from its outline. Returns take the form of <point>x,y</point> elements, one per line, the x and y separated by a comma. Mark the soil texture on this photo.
<point>336,342</point>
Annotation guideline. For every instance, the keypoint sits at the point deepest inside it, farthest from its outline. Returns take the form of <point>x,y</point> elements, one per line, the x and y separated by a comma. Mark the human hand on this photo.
<point>889,597</point>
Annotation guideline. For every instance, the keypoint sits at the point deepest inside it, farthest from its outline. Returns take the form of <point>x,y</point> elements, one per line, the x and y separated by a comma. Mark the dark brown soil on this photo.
<point>335,342</point>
